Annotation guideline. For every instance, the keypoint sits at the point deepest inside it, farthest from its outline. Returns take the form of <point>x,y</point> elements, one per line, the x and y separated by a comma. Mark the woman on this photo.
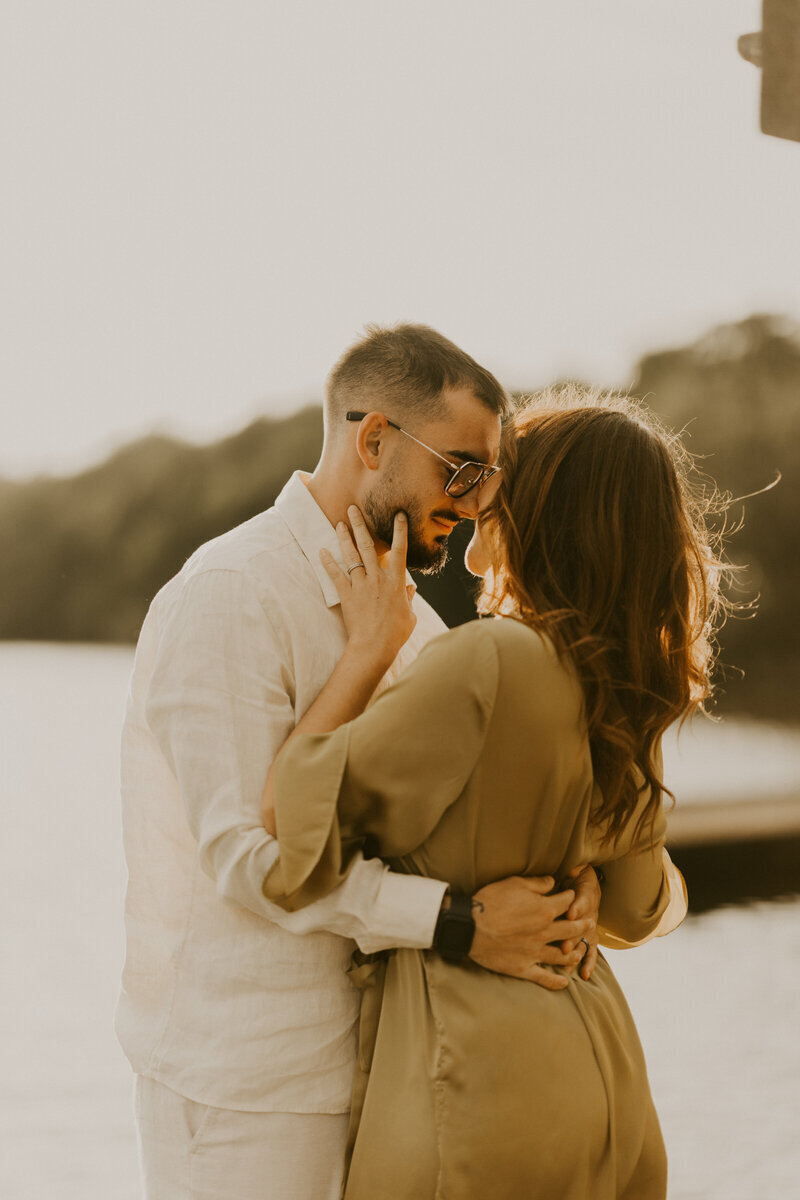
<point>524,745</point>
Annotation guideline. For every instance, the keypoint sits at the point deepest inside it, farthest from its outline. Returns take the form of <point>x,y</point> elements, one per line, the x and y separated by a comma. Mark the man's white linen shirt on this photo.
<point>222,1001</point>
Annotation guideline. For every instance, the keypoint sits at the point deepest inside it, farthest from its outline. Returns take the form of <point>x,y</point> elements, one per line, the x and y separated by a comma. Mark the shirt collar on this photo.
<point>312,531</point>
<point>310,528</point>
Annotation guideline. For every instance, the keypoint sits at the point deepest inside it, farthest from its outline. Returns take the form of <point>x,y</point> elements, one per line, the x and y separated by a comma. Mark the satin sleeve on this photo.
<point>643,894</point>
<point>382,782</point>
<point>672,903</point>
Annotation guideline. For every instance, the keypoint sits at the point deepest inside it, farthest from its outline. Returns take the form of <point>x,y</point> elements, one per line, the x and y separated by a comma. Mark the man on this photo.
<point>237,1017</point>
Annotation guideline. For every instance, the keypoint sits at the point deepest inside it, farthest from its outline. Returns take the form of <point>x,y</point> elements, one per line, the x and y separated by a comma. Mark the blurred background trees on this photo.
<point>737,392</point>
<point>83,556</point>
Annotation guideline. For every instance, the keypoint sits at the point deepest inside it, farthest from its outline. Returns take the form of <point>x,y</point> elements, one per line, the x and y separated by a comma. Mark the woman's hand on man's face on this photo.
<point>375,598</point>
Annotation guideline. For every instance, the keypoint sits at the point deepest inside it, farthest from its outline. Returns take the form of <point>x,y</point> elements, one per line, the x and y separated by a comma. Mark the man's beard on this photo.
<point>380,506</point>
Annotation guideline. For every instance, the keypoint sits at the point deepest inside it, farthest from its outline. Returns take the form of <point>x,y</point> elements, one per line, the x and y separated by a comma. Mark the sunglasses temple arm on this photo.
<point>451,465</point>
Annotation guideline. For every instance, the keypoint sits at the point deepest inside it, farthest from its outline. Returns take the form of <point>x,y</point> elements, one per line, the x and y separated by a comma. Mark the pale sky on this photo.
<point>206,200</point>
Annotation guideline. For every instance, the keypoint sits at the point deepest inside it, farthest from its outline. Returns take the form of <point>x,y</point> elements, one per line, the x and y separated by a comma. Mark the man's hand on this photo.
<point>585,904</point>
<point>518,931</point>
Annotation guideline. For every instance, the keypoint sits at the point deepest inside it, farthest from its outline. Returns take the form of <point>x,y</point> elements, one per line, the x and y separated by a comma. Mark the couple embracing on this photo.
<point>377,973</point>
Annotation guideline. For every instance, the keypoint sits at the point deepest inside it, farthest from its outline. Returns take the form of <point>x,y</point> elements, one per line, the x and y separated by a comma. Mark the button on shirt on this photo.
<point>222,1001</point>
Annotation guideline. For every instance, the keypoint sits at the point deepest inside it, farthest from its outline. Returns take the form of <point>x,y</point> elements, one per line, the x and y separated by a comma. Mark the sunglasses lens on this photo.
<point>465,479</point>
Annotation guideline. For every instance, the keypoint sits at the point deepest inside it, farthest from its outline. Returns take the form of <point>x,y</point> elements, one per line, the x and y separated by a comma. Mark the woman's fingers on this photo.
<point>350,553</point>
<point>576,871</point>
<point>556,956</point>
<point>589,961</point>
<point>546,979</point>
<point>581,950</point>
<point>363,538</point>
<point>399,551</point>
<point>574,930</point>
<point>358,546</point>
<point>335,572</point>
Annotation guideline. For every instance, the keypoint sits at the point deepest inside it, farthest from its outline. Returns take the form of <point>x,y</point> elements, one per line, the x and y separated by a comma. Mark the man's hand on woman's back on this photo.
<point>522,927</point>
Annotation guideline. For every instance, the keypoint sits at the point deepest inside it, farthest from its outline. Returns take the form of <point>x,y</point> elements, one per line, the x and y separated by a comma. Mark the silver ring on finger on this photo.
<point>355,567</point>
<point>586,944</point>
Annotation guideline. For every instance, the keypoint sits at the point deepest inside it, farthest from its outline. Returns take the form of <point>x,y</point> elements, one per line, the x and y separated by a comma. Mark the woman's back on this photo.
<point>524,808</point>
<point>475,766</point>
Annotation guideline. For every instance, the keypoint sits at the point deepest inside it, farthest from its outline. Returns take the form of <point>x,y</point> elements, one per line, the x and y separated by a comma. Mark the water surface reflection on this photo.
<point>716,1003</point>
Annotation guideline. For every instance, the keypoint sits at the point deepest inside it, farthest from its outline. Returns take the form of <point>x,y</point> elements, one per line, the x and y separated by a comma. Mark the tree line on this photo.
<point>84,555</point>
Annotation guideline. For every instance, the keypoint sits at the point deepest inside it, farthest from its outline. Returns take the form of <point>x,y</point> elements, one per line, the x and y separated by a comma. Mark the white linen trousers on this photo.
<point>191,1151</point>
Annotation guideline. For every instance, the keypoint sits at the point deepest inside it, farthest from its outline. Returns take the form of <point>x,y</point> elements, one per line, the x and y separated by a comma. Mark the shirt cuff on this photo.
<point>405,912</point>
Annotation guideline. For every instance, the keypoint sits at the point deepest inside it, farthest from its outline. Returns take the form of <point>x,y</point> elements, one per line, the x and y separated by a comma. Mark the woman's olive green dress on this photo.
<point>475,766</point>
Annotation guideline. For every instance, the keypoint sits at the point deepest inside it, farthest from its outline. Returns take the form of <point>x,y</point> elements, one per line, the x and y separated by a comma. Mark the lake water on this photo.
<point>716,1003</point>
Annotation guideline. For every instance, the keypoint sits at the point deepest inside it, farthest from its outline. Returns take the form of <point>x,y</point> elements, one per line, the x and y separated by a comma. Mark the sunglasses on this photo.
<point>464,478</point>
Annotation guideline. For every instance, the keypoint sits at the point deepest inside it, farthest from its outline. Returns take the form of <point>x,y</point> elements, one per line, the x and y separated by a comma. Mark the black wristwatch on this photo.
<point>455,929</point>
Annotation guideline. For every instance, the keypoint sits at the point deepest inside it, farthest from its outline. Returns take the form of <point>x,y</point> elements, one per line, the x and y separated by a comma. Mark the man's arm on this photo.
<point>220,704</point>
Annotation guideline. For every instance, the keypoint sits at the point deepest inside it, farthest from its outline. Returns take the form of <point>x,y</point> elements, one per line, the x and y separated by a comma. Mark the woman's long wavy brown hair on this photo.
<point>602,534</point>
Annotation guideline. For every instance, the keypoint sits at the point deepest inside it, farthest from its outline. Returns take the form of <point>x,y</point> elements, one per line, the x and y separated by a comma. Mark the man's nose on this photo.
<point>467,506</point>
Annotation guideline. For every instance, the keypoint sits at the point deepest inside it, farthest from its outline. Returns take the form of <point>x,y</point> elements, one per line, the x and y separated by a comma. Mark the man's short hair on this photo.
<point>405,370</point>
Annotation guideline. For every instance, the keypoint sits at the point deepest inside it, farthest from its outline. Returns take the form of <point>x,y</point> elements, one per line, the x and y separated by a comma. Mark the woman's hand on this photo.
<point>586,904</point>
<point>376,606</point>
<point>376,600</point>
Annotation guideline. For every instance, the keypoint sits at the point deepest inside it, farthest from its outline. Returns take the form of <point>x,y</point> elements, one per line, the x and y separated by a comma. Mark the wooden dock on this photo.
<point>716,821</point>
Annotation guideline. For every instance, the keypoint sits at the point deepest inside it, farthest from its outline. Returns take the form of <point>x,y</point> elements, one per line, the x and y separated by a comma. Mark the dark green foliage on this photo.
<point>84,556</point>
<point>737,392</point>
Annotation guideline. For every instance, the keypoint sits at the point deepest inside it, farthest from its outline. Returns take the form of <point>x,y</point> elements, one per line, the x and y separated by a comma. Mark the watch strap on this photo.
<point>455,929</point>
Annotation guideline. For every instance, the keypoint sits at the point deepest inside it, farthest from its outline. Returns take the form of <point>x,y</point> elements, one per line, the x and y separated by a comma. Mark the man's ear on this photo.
<point>370,440</point>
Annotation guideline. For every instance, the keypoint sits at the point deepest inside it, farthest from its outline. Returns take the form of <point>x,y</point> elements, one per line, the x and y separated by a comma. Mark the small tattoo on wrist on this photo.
<point>478,905</point>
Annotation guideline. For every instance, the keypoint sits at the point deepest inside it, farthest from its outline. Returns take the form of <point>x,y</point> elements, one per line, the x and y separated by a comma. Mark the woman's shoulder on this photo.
<point>514,649</point>
<point>499,660</point>
<point>510,631</point>
<point>462,645</point>
<point>514,641</point>
<point>458,667</point>
<point>531,671</point>
<point>505,634</point>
